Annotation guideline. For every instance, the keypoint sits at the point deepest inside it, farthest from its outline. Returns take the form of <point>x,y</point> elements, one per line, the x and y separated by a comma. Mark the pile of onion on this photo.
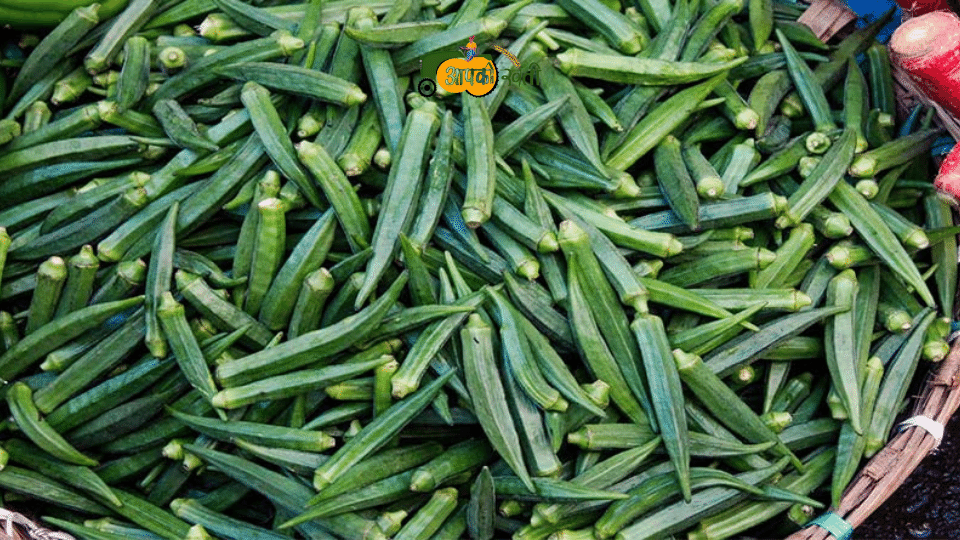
<point>928,49</point>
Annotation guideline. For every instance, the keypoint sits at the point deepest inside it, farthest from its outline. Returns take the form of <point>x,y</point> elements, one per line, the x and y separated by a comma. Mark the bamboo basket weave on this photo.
<point>14,526</point>
<point>939,398</point>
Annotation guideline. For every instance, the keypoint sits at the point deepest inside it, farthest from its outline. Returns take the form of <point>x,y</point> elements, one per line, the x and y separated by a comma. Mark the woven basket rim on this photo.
<point>16,526</point>
<point>888,469</point>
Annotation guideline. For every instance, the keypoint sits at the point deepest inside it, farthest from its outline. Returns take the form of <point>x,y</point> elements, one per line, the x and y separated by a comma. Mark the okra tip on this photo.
<point>306,149</point>
<point>627,187</point>
<point>221,400</point>
<point>559,405</point>
<point>863,166</point>
<point>571,233</point>
<point>745,375</point>
<point>817,142</point>
<point>173,450</point>
<point>351,164</point>
<point>474,217</point>
<point>91,12</point>
<point>537,519</point>
<point>674,246</point>
<point>289,43</point>
<point>422,481</point>
<point>548,243</point>
<point>172,58</point>
<point>899,321</point>
<point>639,302</point>
<point>105,108</point>
<point>801,300</point>
<point>355,97</point>
<point>868,187</point>
<point>836,226</point>
<point>747,119</point>
<point>685,361</point>
<point>598,392</point>
<point>198,532</point>
<point>765,258</point>
<point>475,321</point>
<point>567,59</point>
<point>184,279</point>
<point>935,351</point>
<point>401,387</point>
<point>579,438</point>
<point>917,239</point>
<point>168,305</point>
<point>777,420</point>
<point>54,268</point>
<point>785,221</point>
<point>529,269</point>
<point>711,187</point>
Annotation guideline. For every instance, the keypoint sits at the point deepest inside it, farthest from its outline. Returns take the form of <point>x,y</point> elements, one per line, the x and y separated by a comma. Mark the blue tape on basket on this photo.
<point>946,139</point>
<point>942,149</point>
<point>835,525</point>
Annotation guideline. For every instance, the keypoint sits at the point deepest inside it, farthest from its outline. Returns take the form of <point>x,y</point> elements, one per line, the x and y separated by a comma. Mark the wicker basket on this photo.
<point>14,526</point>
<point>890,467</point>
<point>940,397</point>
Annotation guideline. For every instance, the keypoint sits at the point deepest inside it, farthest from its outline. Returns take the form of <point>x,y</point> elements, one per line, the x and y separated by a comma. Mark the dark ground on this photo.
<point>927,505</point>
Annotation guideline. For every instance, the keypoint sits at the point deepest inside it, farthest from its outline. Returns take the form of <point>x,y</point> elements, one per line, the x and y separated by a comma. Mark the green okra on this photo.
<point>733,413</point>
<point>51,278</point>
<point>401,193</point>
<point>336,188</point>
<point>374,434</point>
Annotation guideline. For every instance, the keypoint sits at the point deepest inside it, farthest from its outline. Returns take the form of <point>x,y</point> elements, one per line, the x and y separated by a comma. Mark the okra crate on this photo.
<point>443,269</point>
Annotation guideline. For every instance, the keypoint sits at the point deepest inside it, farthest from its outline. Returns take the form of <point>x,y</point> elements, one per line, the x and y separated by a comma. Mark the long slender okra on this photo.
<point>184,345</point>
<point>401,192</point>
<point>268,251</point>
<point>57,332</point>
<point>481,169</point>
<point>310,347</point>
<point>376,432</point>
<point>51,277</point>
<point>159,276</point>
<point>27,418</point>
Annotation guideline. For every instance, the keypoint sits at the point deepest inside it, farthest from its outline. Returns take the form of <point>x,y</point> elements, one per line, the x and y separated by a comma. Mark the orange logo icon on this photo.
<point>476,75</point>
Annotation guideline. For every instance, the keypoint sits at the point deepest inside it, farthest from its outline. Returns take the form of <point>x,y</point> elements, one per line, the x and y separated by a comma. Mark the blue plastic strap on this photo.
<point>954,331</point>
<point>835,525</point>
<point>942,146</point>
<point>910,123</point>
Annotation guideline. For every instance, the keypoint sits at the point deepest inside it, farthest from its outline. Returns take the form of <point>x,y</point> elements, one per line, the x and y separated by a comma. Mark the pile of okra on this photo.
<point>674,281</point>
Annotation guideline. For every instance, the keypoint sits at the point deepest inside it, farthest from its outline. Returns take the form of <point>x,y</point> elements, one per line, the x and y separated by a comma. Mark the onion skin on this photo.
<point>948,178</point>
<point>926,47</point>
<point>917,8</point>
